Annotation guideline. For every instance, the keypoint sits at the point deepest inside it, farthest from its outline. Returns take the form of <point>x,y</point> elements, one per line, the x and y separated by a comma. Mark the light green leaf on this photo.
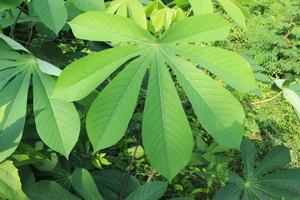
<point>49,190</point>
<point>152,190</point>
<point>13,102</point>
<point>89,5</point>
<point>229,192</point>
<point>227,65</point>
<point>85,185</point>
<point>10,184</point>
<point>81,77</point>
<point>99,26</point>
<point>201,6</point>
<point>162,18</point>
<point>234,12</point>
<point>217,110</point>
<point>57,121</point>
<point>8,4</point>
<point>109,115</point>
<point>52,13</point>
<point>129,8</point>
<point>200,28</point>
<point>167,137</point>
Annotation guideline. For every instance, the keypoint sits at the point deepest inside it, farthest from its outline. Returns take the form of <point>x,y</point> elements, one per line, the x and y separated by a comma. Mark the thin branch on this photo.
<point>12,30</point>
<point>132,161</point>
<point>266,100</point>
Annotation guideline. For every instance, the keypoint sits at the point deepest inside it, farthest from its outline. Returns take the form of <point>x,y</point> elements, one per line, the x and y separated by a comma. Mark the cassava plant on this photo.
<point>166,134</point>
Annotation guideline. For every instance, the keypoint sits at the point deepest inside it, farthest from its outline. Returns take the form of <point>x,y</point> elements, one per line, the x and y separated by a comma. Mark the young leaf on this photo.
<point>10,184</point>
<point>152,190</point>
<point>228,66</point>
<point>201,6</point>
<point>84,184</point>
<point>57,121</point>
<point>83,76</point>
<point>99,26</point>
<point>52,13</point>
<point>49,190</point>
<point>217,110</point>
<point>167,137</point>
<point>200,28</point>
<point>109,115</point>
<point>129,8</point>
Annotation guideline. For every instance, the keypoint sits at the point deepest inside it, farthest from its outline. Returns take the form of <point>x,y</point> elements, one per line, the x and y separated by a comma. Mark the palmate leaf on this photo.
<point>129,8</point>
<point>17,68</point>
<point>167,137</point>
<point>267,179</point>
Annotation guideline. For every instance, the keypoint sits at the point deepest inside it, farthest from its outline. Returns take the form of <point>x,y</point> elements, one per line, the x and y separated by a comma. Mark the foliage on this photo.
<point>259,179</point>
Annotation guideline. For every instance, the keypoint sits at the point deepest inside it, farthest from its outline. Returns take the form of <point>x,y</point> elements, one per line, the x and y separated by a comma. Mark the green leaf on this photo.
<point>129,8</point>
<point>85,185</point>
<point>234,12</point>
<point>13,102</point>
<point>248,157</point>
<point>109,115</point>
<point>217,110</point>
<point>89,5</point>
<point>201,6</point>
<point>152,190</point>
<point>52,13</point>
<point>8,4</point>
<point>227,65</point>
<point>200,28</point>
<point>99,26</point>
<point>229,192</point>
<point>83,76</point>
<point>277,158</point>
<point>49,190</point>
<point>167,137</point>
<point>162,18</point>
<point>10,184</point>
<point>57,121</point>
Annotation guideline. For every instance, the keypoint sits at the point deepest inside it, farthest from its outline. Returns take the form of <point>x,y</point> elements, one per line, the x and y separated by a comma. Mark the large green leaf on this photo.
<point>129,8</point>
<point>248,157</point>
<point>85,185</point>
<point>49,190</point>
<point>217,110</point>
<point>152,190</point>
<point>234,11</point>
<point>13,103</point>
<point>109,115</point>
<point>52,13</point>
<point>10,184</point>
<point>99,26</point>
<point>201,6</point>
<point>200,28</point>
<point>8,4</point>
<point>57,121</point>
<point>82,76</point>
<point>167,137</point>
<point>228,66</point>
<point>89,5</point>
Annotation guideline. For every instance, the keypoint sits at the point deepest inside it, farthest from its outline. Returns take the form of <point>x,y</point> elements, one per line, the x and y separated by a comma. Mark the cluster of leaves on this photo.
<point>143,47</point>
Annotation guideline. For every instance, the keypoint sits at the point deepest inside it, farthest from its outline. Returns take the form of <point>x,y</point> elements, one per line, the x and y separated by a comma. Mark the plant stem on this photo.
<point>266,100</point>
<point>12,30</point>
<point>132,161</point>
